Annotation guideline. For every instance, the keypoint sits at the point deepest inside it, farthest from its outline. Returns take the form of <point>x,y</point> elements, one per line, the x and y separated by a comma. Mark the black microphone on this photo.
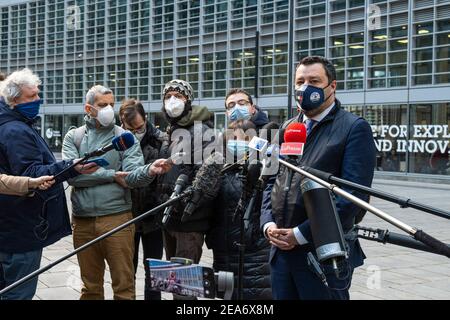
<point>325,225</point>
<point>206,183</point>
<point>120,143</point>
<point>179,186</point>
<point>253,175</point>
<point>252,187</point>
<point>326,176</point>
<point>234,165</point>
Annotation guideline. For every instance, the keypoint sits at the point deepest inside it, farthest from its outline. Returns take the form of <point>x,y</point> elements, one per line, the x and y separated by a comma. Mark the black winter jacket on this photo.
<point>146,198</point>
<point>199,221</point>
<point>260,118</point>
<point>225,232</point>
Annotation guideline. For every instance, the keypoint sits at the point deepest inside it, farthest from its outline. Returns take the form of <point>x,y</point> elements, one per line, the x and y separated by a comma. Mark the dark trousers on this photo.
<point>184,244</point>
<point>14,266</point>
<point>292,279</point>
<point>152,245</point>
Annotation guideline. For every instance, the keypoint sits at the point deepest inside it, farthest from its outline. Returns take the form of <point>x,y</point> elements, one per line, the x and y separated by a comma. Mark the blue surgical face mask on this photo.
<point>29,109</point>
<point>238,148</point>
<point>309,97</point>
<point>239,112</point>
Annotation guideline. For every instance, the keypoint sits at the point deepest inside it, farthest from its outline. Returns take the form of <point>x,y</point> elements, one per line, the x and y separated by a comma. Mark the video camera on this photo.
<point>181,277</point>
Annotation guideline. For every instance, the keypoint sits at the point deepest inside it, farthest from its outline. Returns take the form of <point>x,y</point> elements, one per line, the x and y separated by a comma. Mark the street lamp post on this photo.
<point>290,58</point>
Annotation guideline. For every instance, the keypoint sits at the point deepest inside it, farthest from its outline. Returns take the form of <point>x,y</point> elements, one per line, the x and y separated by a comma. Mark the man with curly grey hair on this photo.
<point>28,224</point>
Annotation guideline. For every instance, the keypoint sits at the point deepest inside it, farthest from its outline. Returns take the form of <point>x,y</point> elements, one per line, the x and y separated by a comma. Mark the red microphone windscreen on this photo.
<point>295,132</point>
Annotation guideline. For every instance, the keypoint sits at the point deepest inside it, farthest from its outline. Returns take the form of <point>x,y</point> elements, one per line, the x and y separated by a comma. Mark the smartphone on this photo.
<point>180,278</point>
<point>99,161</point>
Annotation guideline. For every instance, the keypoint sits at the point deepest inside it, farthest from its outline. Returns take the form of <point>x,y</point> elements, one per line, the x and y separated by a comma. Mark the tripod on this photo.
<point>238,213</point>
<point>252,185</point>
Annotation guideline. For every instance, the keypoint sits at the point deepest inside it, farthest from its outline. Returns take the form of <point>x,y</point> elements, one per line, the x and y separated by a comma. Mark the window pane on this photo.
<point>422,67</point>
<point>443,53</point>
<point>442,78</point>
<point>442,66</point>
<point>424,41</point>
<point>397,82</point>
<point>389,126</point>
<point>378,59</point>
<point>400,31</point>
<point>421,80</point>
<point>395,71</point>
<point>378,46</point>
<point>426,54</point>
<point>398,57</point>
<point>355,62</point>
<point>400,44</point>
<point>425,153</point>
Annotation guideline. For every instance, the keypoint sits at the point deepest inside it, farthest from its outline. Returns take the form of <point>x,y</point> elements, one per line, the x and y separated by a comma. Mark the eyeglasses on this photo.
<point>241,102</point>
<point>139,130</point>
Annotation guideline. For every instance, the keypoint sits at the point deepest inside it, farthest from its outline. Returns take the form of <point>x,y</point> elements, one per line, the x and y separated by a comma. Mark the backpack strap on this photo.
<point>80,132</point>
<point>118,131</point>
<point>78,136</point>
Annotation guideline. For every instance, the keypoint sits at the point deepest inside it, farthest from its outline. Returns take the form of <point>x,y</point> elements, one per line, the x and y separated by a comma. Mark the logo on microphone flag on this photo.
<point>291,149</point>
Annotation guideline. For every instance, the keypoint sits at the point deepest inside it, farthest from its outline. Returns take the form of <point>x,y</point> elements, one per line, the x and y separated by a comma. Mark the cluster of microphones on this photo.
<point>325,225</point>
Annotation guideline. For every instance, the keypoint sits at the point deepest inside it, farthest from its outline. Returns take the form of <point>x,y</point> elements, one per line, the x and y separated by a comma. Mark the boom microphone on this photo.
<point>206,183</point>
<point>325,225</point>
<point>179,186</point>
<point>120,143</point>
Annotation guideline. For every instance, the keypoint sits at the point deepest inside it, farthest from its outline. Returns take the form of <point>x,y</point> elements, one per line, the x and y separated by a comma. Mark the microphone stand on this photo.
<point>241,244</point>
<point>403,202</point>
<point>385,236</point>
<point>86,156</point>
<point>419,235</point>
<point>74,164</point>
<point>153,211</point>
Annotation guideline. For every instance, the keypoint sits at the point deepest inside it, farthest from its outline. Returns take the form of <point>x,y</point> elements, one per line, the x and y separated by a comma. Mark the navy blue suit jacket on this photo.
<point>341,144</point>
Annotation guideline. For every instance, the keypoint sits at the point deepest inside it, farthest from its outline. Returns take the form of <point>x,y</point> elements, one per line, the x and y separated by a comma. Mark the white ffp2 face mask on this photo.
<point>140,136</point>
<point>105,115</point>
<point>174,107</point>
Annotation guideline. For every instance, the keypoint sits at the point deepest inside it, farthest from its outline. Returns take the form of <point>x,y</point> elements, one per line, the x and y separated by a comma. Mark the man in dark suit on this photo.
<point>338,142</point>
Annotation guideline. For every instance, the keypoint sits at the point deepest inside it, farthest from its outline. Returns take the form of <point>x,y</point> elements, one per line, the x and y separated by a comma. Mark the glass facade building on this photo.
<point>392,60</point>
